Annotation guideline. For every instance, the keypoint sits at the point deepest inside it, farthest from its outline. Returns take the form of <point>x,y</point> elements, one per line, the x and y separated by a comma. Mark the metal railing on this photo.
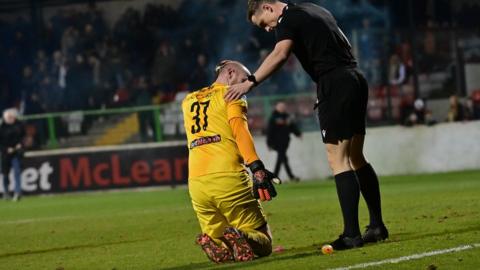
<point>156,123</point>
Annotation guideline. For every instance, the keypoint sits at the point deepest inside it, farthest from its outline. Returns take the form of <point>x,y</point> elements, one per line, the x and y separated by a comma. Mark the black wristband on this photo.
<point>256,165</point>
<point>253,79</point>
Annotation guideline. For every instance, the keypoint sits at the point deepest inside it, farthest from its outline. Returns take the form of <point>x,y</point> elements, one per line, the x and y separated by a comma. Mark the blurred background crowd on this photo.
<point>421,58</point>
<point>80,62</point>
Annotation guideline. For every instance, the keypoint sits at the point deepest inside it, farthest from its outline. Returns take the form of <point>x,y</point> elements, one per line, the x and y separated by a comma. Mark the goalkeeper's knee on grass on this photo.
<point>261,244</point>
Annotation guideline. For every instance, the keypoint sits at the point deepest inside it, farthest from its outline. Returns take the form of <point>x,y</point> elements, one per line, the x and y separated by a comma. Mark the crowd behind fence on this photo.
<point>81,81</point>
<point>144,124</point>
<point>165,122</point>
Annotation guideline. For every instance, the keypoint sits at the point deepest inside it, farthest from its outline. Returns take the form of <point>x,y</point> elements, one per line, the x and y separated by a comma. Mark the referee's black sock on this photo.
<point>348,194</point>
<point>370,189</point>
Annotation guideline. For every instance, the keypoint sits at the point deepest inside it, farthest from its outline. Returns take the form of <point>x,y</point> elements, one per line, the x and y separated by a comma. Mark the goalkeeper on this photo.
<point>234,227</point>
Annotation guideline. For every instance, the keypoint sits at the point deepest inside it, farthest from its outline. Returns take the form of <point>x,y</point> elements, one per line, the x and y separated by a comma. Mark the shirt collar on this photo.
<point>289,4</point>
<point>217,84</point>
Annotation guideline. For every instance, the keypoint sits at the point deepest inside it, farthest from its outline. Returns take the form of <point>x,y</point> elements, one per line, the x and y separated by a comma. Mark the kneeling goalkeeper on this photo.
<point>234,227</point>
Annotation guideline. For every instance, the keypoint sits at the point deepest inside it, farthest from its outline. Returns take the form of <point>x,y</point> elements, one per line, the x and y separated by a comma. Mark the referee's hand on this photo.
<point>236,91</point>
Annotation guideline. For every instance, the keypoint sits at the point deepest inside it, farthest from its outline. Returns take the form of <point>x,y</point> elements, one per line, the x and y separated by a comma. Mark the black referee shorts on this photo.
<point>342,104</point>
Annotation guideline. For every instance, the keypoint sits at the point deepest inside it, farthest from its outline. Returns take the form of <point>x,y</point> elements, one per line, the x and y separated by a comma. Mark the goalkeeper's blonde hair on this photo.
<point>220,66</point>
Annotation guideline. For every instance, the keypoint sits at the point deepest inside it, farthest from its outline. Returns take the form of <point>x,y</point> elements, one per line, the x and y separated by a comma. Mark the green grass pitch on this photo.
<point>155,229</point>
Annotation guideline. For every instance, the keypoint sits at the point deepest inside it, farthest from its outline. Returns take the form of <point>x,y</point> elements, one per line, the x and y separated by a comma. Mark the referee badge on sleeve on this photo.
<point>324,133</point>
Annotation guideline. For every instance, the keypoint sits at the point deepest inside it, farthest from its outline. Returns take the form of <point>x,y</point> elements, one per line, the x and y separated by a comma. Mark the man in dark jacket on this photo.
<point>280,126</point>
<point>12,133</point>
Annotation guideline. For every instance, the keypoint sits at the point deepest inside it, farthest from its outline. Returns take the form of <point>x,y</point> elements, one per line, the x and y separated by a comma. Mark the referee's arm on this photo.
<point>274,61</point>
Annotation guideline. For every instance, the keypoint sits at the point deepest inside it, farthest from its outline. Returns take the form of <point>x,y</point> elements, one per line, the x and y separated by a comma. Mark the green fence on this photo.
<point>146,124</point>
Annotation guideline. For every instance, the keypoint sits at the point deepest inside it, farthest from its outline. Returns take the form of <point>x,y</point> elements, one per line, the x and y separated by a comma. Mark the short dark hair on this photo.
<point>254,5</point>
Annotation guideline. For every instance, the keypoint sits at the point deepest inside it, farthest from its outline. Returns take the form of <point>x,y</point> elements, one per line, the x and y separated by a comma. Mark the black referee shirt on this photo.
<point>318,42</point>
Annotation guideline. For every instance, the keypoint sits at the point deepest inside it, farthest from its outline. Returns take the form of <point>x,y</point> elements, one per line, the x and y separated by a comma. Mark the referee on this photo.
<point>312,34</point>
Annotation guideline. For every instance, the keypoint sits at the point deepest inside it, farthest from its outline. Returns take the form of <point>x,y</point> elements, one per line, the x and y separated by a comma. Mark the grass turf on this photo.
<point>155,229</point>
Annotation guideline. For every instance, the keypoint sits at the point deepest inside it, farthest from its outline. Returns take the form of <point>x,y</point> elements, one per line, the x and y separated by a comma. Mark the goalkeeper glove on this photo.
<point>263,188</point>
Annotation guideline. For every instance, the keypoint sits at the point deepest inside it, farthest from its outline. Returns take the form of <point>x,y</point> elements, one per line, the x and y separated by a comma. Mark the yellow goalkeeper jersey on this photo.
<point>212,146</point>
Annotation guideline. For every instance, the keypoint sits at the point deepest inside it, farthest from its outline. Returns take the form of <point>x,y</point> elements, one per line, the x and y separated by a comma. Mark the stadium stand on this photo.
<point>80,57</point>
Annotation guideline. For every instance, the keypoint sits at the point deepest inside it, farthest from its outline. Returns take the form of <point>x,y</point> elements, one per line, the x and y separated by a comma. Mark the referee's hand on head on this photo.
<point>236,91</point>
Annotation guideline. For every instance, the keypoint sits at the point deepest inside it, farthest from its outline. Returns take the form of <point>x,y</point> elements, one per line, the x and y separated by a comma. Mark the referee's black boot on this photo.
<point>375,234</point>
<point>345,242</point>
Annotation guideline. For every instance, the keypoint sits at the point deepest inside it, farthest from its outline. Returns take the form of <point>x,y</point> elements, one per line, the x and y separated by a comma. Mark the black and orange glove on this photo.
<point>263,180</point>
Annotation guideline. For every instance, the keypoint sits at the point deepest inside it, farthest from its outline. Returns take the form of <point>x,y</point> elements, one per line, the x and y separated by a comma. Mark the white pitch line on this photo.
<point>410,257</point>
<point>126,213</point>
<point>34,220</point>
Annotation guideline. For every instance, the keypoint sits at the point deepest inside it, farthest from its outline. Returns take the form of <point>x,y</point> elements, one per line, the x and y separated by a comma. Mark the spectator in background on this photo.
<point>456,112</point>
<point>28,82</point>
<point>164,65</point>
<point>120,98</point>
<point>59,72</point>
<point>367,49</point>
<point>41,58</point>
<point>200,75</point>
<point>69,41</point>
<point>23,45</point>
<point>280,126</point>
<point>96,67</point>
<point>12,133</point>
<point>95,93</point>
<point>79,82</point>
<point>429,119</point>
<point>144,98</point>
<point>420,115</point>
<point>34,105</point>
<point>417,115</point>
<point>58,61</point>
<point>397,71</point>
<point>3,95</point>
<point>406,107</point>
<point>475,103</point>
<point>88,38</point>
<point>116,65</point>
<point>50,38</point>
